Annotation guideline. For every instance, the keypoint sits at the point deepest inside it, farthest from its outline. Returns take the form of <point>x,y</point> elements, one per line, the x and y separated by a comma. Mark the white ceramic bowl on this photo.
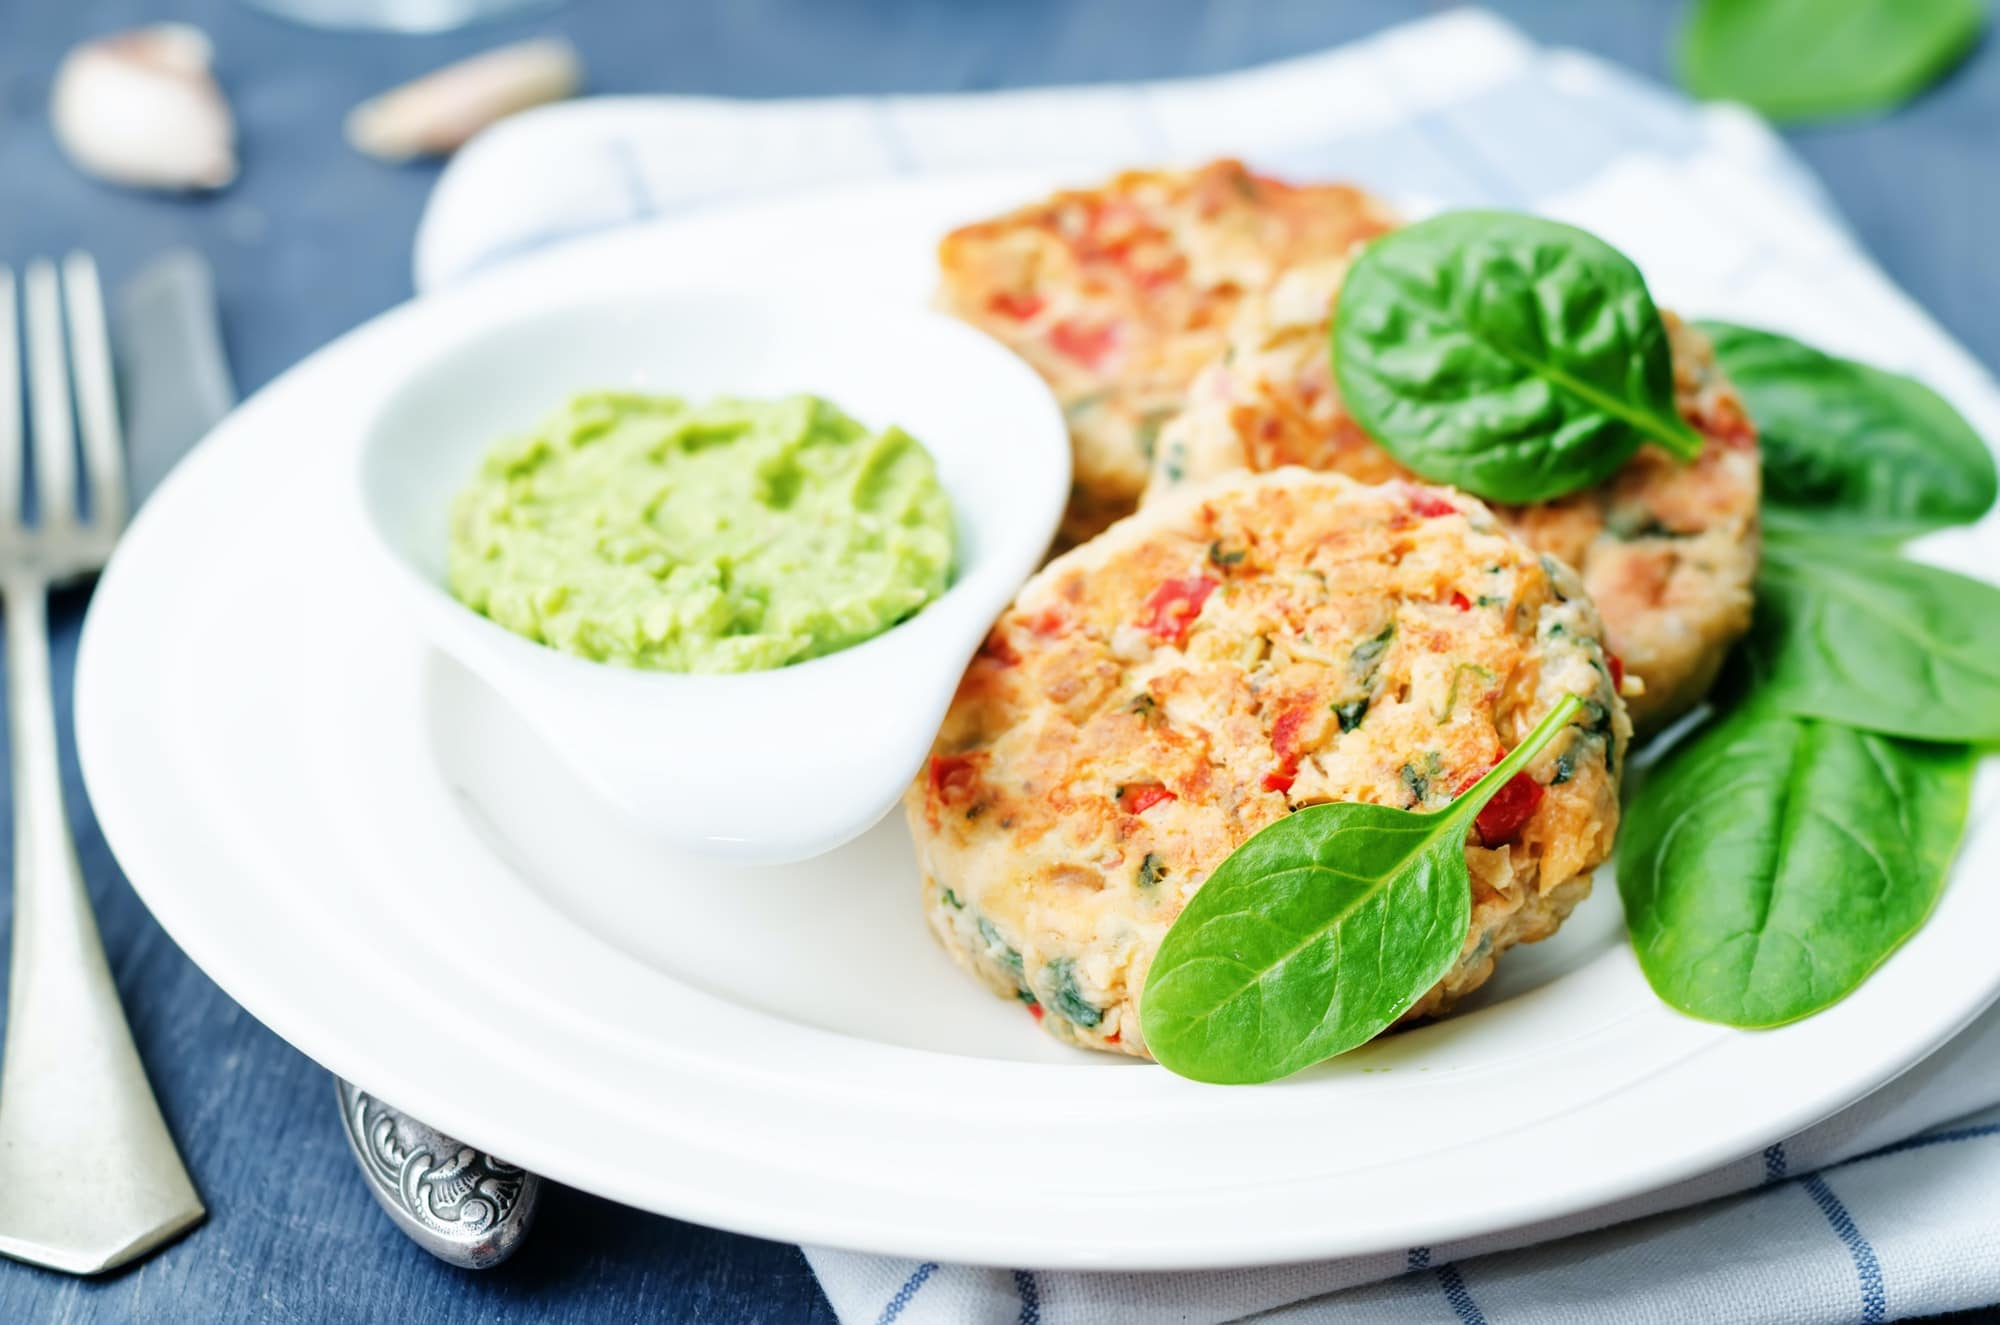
<point>761,766</point>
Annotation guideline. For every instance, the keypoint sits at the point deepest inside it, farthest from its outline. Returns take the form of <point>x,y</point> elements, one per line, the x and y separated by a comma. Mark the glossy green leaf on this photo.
<point>1514,357</point>
<point>1817,59</point>
<point>1318,933</point>
<point>1857,635</point>
<point>1853,447</point>
<point>1773,862</point>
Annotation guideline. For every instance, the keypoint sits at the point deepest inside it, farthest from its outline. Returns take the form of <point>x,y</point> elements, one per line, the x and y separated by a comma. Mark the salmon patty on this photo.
<point>1667,550</point>
<point>1157,696</point>
<point>1117,295</point>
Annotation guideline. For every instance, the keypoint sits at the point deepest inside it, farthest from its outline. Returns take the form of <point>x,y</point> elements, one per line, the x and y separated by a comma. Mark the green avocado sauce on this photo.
<point>731,536</point>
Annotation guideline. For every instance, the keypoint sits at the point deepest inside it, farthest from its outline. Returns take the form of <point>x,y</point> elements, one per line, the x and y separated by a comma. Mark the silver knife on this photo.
<point>461,1205</point>
<point>173,378</point>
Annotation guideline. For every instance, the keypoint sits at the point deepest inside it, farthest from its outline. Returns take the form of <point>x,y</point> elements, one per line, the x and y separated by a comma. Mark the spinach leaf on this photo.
<point>1852,445</point>
<point>1852,634</point>
<point>1514,357</point>
<point>1319,932</point>
<point>1066,998</point>
<point>1816,59</point>
<point>1773,862</point>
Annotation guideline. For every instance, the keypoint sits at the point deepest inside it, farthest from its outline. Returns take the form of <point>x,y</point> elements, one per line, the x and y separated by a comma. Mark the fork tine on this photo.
<point>96,391</point>
<point>10,401</point>
<point>51,427</point>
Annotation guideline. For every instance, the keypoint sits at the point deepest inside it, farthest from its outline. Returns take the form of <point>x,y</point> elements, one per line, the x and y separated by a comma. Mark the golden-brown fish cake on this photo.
<point>1667,550</point>
<point>1203,668</point>
<point>1119,294</point>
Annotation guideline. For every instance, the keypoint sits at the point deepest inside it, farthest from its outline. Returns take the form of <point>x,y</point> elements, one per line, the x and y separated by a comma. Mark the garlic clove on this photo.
<point>142,108</point>
<point>434,115</point>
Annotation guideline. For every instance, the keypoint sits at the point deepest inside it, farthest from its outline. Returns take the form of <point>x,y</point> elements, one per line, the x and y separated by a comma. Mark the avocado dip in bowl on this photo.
<point>728,536</point>
<point>728,551</point>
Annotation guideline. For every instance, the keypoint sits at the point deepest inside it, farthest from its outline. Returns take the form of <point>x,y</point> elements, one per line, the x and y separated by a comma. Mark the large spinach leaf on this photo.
<point>1319,932</point>
<point>1815,59</point>
<point>1856,635</point>
<point>1773,862</point>
<point>1853,446</point>
<point>1512,356</point>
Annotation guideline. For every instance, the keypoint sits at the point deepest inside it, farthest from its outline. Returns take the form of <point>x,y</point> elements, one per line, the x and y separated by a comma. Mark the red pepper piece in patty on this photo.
<point>1155,278</point>
<point>1174,606</point>
<point>1617,666</point>
<point>954,778</point>
<point>1089,346</point>
<point>1285,734</point>
<point>1139,797</point>
<point>999,650</point>
<point>1286,744</point>
<point>1429,505</point>
<point>1048,623</point>
<point>1460,601</point>
<point>1509,810</point>
<point>1018,305</point>
<point>1728,424</point>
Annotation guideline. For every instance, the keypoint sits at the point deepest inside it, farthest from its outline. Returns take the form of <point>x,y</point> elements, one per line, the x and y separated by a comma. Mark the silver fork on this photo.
<point>89,1177</point>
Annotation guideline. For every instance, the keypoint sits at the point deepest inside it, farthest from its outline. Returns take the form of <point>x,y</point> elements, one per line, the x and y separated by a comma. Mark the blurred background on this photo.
<point>313,237</point>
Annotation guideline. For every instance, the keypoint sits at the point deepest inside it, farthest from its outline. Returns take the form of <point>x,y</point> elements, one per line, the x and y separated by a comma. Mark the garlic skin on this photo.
<point>434,115</point>
<point>141,108</point>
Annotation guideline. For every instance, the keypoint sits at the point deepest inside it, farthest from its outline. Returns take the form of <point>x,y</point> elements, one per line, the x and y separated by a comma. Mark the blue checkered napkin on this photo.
<point>1881,1212</point>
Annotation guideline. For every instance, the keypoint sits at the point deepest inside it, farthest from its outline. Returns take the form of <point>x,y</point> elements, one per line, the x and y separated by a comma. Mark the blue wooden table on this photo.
<point>314,239</point>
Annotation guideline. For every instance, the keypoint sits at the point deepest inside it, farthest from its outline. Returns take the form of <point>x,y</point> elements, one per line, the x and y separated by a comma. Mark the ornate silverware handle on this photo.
<point>461,1205</point>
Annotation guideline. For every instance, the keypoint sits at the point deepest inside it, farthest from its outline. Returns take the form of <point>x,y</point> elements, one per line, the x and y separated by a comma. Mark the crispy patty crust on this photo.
<point>1667,550</point>
<point>1158,695</point>
<point>1118,294</point>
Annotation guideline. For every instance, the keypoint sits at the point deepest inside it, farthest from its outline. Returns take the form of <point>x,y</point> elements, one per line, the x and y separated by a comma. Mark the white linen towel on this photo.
<point>1891,1208</point>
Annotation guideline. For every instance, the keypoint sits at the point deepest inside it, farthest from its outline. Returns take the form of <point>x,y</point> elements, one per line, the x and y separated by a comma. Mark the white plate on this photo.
<point>368,853</point>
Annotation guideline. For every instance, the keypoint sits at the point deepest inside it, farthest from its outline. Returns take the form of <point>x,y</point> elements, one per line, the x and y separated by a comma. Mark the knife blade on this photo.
<point>173,376</point>
<point>461,1205</point>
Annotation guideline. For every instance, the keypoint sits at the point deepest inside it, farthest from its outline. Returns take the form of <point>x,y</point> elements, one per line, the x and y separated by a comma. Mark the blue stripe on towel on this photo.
<point>1774,1162</point>
<point>1031,1297</point>
<point>895,1305</point>
<point>1640,113</point>
<point>1419,1259</point>
<point>534,241</point>
<point>1927,1139</point>
<point>1502,134</point>
<point>1491,184</point>
<point>895,145</point>
<point>1394,160</point>
<point>625,163</point>
<point>1874,1300</point>
<point>1460,1297</point>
